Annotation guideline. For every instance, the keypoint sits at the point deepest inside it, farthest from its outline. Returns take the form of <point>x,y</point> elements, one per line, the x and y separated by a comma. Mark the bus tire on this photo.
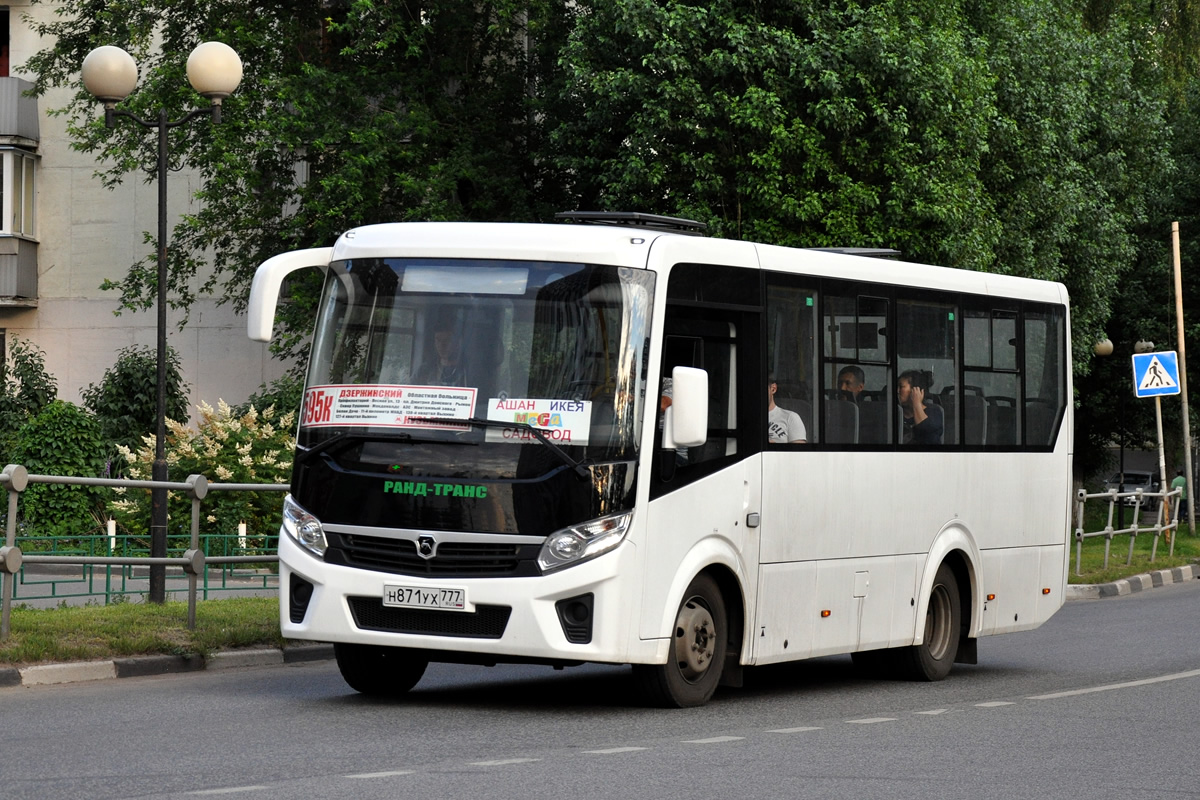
<point>379,671</point>
<point>931,660</point>
<point>697,654</point>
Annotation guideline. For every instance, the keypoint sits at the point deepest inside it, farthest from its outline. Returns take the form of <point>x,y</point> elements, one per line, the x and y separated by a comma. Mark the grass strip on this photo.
<point>85,633</point>
<point>1092,570</point>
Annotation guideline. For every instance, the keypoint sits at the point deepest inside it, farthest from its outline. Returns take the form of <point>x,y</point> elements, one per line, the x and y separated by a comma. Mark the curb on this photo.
<point>142,666</point>
<point>1134,584</point>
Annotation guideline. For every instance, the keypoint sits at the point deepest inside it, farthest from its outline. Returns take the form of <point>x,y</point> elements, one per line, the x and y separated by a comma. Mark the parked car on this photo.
<point>1134,480</point>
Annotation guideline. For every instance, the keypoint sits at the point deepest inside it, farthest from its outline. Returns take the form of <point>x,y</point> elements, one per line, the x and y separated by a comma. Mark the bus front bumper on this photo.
<point>515,618</point>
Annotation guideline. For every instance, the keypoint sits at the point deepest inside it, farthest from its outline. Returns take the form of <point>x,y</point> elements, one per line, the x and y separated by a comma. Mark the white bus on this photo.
<point>553,444</point>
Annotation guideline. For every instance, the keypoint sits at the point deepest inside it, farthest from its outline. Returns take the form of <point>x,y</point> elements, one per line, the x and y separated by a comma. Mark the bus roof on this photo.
<point>630,247</point>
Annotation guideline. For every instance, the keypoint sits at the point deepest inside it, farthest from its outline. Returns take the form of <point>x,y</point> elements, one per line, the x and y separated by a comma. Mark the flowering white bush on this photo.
<point>225,448</point>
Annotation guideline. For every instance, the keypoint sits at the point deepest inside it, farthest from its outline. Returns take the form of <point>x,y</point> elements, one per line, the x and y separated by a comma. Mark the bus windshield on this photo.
<point>406,347</point>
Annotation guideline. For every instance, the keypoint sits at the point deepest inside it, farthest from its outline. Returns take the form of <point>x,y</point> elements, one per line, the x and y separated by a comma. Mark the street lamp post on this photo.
<point>110,74</point>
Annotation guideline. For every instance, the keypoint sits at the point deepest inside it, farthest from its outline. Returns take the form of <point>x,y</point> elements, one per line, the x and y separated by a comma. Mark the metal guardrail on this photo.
<point>1140,498</point>
<point>16,479</point>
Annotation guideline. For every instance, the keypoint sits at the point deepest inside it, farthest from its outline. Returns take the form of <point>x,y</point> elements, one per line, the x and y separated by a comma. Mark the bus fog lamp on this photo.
<point>579,543</point>
<point>303,527</point>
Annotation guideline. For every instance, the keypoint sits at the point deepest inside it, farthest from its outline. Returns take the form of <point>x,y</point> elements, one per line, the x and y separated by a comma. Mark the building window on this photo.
<point>18,191</point>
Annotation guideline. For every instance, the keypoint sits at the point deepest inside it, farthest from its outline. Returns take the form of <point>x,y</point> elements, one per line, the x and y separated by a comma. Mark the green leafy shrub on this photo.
<point>126,399</point>
<point>25,389</point>
<point>62,439</point>
<point>226,447</point>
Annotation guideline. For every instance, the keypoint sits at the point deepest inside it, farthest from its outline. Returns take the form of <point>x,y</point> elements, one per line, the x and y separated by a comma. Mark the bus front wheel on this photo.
<point>697,655</point>
<point>379,671</point>
<point>931,660</point>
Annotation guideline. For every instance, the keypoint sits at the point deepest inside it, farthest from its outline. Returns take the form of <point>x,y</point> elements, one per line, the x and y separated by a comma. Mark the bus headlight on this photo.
<point>582,542</point>
<point>303,527</point>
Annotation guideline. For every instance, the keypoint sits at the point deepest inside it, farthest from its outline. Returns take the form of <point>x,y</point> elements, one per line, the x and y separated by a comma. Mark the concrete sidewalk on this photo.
<point>140,666</point>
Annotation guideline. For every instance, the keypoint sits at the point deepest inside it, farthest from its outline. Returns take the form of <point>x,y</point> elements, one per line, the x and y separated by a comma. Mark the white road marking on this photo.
<point>1127,685</point>
<point>793,730</point>
<point>230,790</point>
<point>391,774</point>
<point>870,720</point>
<point>714,740</point>
<point>503,762</point>
<point>994,704</point>
<point>934,711</point>
<point>612,750</point>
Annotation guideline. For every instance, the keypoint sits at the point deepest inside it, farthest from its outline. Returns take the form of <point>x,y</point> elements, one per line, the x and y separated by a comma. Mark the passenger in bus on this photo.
<point>448,370</point>
<point>923,421</point>
<point>783,426</point>
<point>851,381</point>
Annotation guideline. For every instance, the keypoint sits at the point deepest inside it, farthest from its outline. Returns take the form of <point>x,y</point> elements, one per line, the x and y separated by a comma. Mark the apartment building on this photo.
<point>62,234</point>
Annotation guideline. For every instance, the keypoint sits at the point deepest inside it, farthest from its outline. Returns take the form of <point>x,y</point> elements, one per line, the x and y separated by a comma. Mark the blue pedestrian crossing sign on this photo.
<point>1155,374</point>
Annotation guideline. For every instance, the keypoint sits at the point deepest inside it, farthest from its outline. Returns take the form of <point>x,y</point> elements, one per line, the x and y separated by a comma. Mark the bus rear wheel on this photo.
<point>931,660</point>
<point>379,671</point>
<point>697,654</point>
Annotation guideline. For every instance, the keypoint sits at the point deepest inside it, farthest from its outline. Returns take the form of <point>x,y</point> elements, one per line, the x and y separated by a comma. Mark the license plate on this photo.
<point>443,599</point>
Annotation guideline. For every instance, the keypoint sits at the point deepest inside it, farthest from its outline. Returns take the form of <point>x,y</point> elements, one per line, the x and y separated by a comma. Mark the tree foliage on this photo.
<point>125,401</point>
<point>1049,138</point>
<point>349,113</point>
<point>62,439</point>
<point>25,389</point>
<point>997,136</point>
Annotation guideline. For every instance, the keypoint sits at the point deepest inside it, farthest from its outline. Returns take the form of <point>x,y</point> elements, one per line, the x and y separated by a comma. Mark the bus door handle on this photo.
<point>752,519</point>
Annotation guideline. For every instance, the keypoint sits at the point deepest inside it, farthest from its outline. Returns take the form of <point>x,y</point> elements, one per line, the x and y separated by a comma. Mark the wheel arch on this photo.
<point>955,547</point>
<point>735,609</point>
<point>716,558</point>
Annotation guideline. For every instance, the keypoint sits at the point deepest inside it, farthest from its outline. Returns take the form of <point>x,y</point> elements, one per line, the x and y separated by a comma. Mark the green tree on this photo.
<point>349,113</point>
<point>25,389</point>
<point>796,123</point>
<point>125,401</point>
<point>1077,151</point>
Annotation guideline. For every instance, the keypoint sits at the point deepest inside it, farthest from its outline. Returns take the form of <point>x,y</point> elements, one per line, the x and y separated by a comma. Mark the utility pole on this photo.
<point>1187,428</point>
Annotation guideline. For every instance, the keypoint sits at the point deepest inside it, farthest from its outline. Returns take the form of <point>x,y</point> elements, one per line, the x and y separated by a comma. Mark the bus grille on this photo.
<point>454,559</point>
<point>487,622</point>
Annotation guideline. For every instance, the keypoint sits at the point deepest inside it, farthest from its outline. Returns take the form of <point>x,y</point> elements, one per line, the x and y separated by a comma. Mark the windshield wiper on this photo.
<point>539,434</point>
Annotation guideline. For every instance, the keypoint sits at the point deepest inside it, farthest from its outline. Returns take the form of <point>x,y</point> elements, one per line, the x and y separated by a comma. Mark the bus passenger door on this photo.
<point>705,500</point>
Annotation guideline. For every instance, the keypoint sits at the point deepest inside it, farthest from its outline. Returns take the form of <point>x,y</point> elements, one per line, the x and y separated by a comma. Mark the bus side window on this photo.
<point>710,345</point>
<point>991,411</point>
<point>857,399</point>
<point>927,360</point>
<point>791,357</point>
<point>1045,389</point>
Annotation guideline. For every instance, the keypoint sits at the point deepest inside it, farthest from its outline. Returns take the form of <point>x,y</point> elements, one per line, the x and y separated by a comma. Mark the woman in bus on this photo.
<point>923,420</point>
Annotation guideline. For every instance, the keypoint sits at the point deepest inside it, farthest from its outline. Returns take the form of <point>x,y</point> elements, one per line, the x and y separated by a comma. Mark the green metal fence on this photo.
<point>119,583</point>
<point>111,567</point>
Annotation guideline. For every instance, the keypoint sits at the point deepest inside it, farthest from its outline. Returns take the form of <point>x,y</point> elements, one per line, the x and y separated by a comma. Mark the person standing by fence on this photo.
<point>1180,483</point>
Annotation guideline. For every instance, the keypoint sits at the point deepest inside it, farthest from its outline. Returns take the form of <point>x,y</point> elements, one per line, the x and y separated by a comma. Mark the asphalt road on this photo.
<point>1098,703</point>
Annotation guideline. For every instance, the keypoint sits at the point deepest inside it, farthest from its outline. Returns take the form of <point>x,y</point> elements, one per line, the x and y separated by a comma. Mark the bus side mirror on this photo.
<point>264,290</point>
<point>685,423</point>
